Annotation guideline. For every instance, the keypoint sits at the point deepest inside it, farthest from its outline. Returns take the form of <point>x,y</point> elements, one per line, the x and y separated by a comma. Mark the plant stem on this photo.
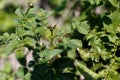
<point>27,11</point>
<point>52,45</point>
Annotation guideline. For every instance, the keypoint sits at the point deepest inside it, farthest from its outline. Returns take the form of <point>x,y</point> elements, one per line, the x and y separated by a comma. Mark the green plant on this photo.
<point>87,46</point>
<point>7,16</point>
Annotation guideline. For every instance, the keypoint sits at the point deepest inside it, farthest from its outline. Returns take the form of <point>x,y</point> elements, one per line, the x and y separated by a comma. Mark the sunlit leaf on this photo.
<point>49,54</point>
<point>19,12</point>
<point>83,27</point>
<point>78,43</point>
<point>29,41</point>
<point>89,75</point>
<point>115,17</point>
<point>12,45</point>
<point>19,30</point>
<point>115,3</point>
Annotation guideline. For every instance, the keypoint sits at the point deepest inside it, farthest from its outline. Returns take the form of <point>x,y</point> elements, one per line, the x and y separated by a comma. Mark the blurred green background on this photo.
<point>7,15</point>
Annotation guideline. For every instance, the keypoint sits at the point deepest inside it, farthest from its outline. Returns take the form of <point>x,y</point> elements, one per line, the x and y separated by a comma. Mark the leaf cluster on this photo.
<point>86,46</point>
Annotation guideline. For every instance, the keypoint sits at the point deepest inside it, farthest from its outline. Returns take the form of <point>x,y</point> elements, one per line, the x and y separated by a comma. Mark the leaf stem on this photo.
<point>27,11</point>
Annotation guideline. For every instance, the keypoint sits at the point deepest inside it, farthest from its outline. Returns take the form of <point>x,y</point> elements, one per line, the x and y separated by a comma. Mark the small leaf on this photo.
<point>13,36</point>
<point>83,54</point>
<point>5,38</point>
<point>19,30</point>
<point>83,27</point>
<point>29,41</point>
<point>12,46</point>
<point>28,25</point>
<point>89,75</point>
<point>31,15</point>
<point>20,56</point>
<point>112,38</point>
<point>49,54</point>
<point>19,12</point>
<point>21,72</point>
<point>28,33</point>
<point>78,43</point>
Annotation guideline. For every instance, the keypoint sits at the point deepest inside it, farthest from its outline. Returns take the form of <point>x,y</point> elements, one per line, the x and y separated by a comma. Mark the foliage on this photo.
<point>7,22</point>
<point>88,45</point>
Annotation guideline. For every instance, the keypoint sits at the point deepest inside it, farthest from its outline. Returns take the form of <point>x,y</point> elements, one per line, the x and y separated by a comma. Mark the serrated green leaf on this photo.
<point>89,74</point>
<point>20,30</point>
<point>31,15</point>
<point>12,45</point>
<point>29,26</point>
<point>115,3</point>
<point>83,54</point>
<point>97,66</point>
<point>19,12</point>
<point>78,43</point>
<point>89,36</point>
<point>83,27</point>
<point>115,17</point>
<point>29,41</point>
<point>28,33</point>
<point>49,54</point>
<point>44,31</point>
<point>112,38</point>
<point>72,53</point>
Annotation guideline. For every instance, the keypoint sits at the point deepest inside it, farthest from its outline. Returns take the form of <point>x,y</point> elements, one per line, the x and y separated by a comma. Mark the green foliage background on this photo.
<point>86,44</point>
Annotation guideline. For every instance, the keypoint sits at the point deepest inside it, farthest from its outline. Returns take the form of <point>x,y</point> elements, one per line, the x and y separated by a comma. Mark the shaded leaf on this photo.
<point>66,76</point>
<point>20,56</point>
<point>62,63</point>
<point>21,72</point>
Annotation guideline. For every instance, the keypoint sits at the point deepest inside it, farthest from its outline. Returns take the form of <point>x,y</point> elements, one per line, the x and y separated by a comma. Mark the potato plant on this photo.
<point>84,47</point>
